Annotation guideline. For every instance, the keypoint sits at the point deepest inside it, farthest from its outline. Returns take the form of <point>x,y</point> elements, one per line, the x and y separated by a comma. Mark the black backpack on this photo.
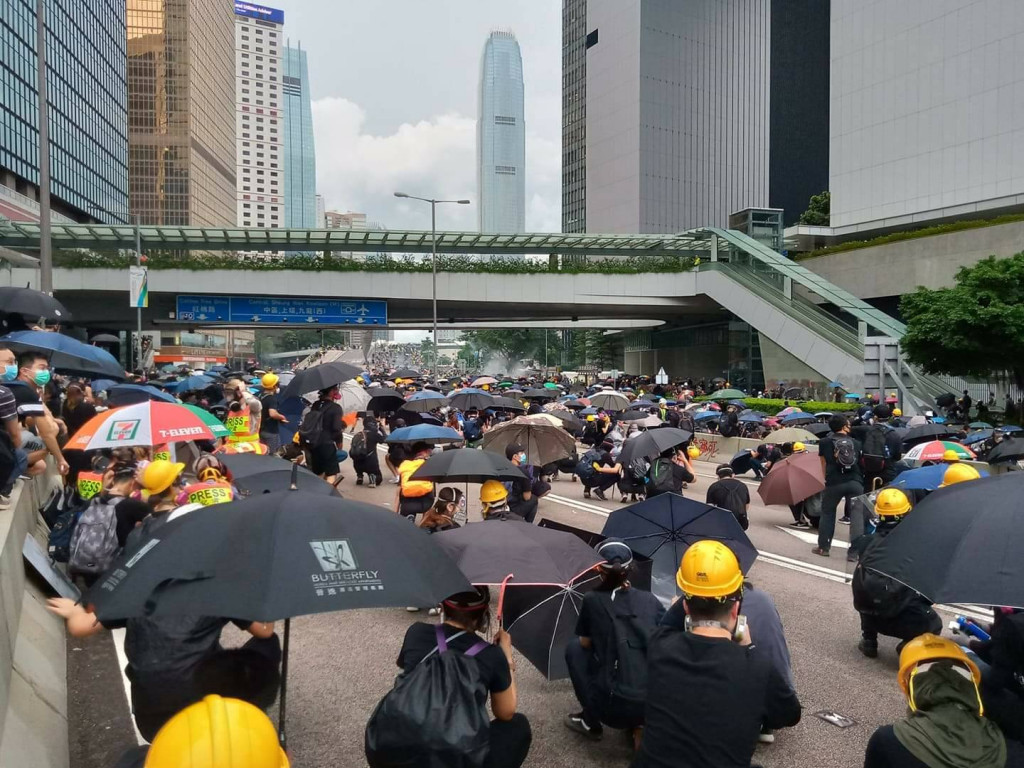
<point>471,429</point>
<point>358,448</point>
<point>875,453</point>
<point>59,541</point>
<point>435,716</point>
<point>624,677</point>
<point>662,478</point>
<point>844,452</point>
<point>311,430</point>
<point>638,469</point>
<point>585,468</point>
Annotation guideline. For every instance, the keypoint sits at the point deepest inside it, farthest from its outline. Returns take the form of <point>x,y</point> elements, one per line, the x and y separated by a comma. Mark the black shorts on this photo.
<point>417,505</point>
<point>323,459</point>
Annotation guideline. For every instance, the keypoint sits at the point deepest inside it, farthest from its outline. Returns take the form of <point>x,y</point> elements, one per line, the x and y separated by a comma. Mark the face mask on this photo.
<point>10,372</point>
<point>522,458</point>
<point>42,378</point>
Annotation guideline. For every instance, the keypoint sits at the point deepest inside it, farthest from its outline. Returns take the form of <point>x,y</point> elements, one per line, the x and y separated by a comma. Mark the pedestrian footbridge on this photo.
<point>615,282</point>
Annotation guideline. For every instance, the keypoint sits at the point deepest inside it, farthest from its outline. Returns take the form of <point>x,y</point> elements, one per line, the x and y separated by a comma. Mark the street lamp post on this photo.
<point>433,261</point>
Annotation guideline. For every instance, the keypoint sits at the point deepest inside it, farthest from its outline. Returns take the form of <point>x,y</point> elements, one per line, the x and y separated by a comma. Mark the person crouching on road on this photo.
<point>715,691</point>
<point>614,620</point>
<point>606,473</point>
<point>414,497</point>
<point>494,502</point>
<point>945,727</point>
<point>521,499</point>
<point>213,483</point>
<point>887,607</point>
<point>441,516</point>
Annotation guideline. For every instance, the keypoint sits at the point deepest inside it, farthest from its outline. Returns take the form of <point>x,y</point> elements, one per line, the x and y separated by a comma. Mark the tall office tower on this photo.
<point>88,110</point>
<point>927,113</point>
<point>259,115</point>
<point>321,211</point>
<point>501,137</point>
<point>181,111</point>
<point>299,150</point>
<point>673,110</point>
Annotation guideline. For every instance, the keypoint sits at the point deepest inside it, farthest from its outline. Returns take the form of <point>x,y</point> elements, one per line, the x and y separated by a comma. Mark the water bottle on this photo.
<point>968,627</point>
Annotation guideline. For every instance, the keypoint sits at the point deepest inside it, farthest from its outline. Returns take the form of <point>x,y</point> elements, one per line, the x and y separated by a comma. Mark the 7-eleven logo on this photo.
<point>122,430</point>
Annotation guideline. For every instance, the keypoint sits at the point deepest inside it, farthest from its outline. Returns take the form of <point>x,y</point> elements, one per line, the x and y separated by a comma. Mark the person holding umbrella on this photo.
<point>605,475</point>
<point>614,619</point>
<point>521,500</point>
<point>321,434</point>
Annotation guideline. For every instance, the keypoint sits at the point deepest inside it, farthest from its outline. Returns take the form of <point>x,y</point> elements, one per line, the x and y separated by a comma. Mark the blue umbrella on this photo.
<point>797,418</point>
<point>707,416</point>
<point>424,400</point>
<point>192,383</point>
<point>751,418</point>
<point>835,385</point>
<point>101,385</point>
<point>853,396</point>
<point>426,394</point>
<point>67,354</point>
<point>218,368</point>
<point>588,411</point>
<point>1011,428</point>
<point>977,437</point>
<point>923,478</point>
<point>424,433</point>
<point>938,420</point>
<point>129,394</point>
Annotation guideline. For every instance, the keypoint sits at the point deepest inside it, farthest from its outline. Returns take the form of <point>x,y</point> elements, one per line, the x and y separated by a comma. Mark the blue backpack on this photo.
<point>59,541</point>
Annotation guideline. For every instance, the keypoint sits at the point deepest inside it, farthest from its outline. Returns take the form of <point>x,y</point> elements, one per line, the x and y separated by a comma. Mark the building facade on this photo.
<point>501,137</point>
<point>259,116</point>
<point>677,113</point>
<point>299,148</point>
<point>927,106</point>
<point>181,112</point>
<point>88,110</point>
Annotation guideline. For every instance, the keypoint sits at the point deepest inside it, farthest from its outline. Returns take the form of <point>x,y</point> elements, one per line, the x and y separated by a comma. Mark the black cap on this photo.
<point>724,470</point>
<point>512,449</point>
<point>882,411</point>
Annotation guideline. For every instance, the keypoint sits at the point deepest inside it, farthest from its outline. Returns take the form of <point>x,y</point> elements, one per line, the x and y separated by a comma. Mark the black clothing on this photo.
<point>129,512</point>
<point>75,417</point>
<point>834,475</point>
<point>410,506</point>
<point>680,475</point>
<point>906,626</point>
<point>323,459</point>
<point>768,452</point>
<point>370,463</point>
<point>732,494</point>
<point>331,424</point>
<point>729,425</point>
<point>421,639</point>
<point>268,426</point>
<point>712,698</point>
<point>602,480</point>
<point>885,751</point>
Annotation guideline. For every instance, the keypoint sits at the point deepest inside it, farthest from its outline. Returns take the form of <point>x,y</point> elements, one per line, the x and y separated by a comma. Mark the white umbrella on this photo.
<point>353,397</point>
<point>615,401</point>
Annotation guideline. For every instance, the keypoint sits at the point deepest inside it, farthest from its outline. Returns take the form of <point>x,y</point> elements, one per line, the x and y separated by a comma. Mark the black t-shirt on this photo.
<point>595,622</point>
<point>421,639</point>
<point>75,417</point>
<point>268,426</point>
<point>129,513</point>
<point>885,751</point>
<point>769,452</point>
<point>833,474</point>
<point>730,493</point>
<point>331,425</point>
<point>712,698</point>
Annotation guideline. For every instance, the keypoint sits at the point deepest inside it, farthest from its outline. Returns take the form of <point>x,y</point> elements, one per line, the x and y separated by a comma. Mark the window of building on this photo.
<point>508,170</point>
<point>503,120</point>
<point>591,39</point>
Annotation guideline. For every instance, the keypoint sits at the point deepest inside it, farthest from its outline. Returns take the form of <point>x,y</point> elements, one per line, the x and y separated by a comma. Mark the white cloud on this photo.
<point>359,171</point>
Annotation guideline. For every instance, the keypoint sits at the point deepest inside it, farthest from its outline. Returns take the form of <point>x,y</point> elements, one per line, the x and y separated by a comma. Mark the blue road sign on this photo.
<point>270,310</point>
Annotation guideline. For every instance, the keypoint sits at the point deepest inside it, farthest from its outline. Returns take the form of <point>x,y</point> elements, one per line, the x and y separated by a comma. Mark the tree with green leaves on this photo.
<point>975,328</point>
<point>509,345</point>
<point>818,210</point>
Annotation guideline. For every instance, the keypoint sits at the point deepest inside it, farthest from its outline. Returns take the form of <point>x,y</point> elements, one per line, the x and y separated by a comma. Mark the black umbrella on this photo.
<point>467,465</point>
<point>490,551</point>
<point>254,474</point>
<point>406,373</point>
<point>961,544</point>
<point>276,556</point>
<point>569,422</point>
<point>926,432</point>
<point>101,338</point>
<point>741,462</point>
<point>652,443</point>
<point>541,394</point>
<point>663,527</point>
<point>1009,449</point>
<point>465,401</point>
<point>505,404</point>
<point>383,400</point>
<point>818,430</point>
<point>32,304</point>
<point>320,377</point>
<point>945,400</point>
<point>633,415</point>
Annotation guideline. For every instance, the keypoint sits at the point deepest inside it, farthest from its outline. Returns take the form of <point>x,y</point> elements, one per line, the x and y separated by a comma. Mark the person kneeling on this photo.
<point>608,661</point>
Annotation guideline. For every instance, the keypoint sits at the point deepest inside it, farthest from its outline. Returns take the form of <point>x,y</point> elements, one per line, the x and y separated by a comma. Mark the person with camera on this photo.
<point>608,660</point>
<point>716,690</point>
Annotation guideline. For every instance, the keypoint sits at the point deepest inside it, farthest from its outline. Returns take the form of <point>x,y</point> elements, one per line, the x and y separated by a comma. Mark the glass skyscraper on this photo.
<point>501,137</point>
<point>87,100</point>
<point>299,150</point>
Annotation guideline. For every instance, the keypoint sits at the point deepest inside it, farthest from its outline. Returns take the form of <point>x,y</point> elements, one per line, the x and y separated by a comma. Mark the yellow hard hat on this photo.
<point>158,475</point>
<point>269,380</point>
<point>217,733</point>
<point>897,412</point>
<point>693,452</point>
<point>492,491</point>
<point>959,473</point>
<point>590,417</point>
<point>799,447</point>
<point>359,379</point>
<point>929,647</point>
<point>709,569</point>
<point>891,502</point>
<point>950,455</point>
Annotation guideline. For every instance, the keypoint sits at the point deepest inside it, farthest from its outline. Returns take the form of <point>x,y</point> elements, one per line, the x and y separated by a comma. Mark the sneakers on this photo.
<point>845,520</point>
<point>821,552</point>
<point>359,480</point>
<point>868,648</point>
<point>371,483</point>
<point>576,723</point>
<point>766,736</point>
<point>434,612</point>
<point>625,500</point>
<point>394,481</point>
<point>5,502</point>
<point>600,494</point>
<point>803,524</point>
<point>412,609</point>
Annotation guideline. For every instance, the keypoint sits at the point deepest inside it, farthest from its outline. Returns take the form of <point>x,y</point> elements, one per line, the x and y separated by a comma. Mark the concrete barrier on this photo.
<point>33,669</point>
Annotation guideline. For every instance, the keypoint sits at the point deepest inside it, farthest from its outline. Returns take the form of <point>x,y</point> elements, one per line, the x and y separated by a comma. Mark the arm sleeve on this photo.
<point>583,622</point>
<point>781,706</point>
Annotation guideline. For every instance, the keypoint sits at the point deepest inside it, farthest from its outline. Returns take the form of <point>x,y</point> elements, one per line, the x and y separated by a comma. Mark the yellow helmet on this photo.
<point>959,473</point>
<point>892,502</point>
<point>159,475</point>
<point>709,569</point>
<point>929,647</point>
<point>217,733</point>
<point>590,417</point>
<point>269,380</point>
<point>693,452</point>
<point>950,455</point>
<point>799,447</point>
<point>492,491</point>
<point>897,412</point>
<point>359,379</point>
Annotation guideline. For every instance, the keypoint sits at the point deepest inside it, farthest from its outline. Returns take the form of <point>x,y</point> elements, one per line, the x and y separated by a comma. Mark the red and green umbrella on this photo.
<point>149,423</point>
<point>934,450</point>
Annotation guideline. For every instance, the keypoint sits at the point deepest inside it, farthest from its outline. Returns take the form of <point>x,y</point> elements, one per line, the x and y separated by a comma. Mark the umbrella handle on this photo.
<point>501,598</point>
<point>284,685</point>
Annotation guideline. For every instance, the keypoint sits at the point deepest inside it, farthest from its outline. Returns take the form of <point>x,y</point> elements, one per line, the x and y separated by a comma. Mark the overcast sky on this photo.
<point>394,86</point>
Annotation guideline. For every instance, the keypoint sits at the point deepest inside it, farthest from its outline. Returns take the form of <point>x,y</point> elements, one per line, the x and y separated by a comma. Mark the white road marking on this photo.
<point>122,663</point>
<point>811,538</point>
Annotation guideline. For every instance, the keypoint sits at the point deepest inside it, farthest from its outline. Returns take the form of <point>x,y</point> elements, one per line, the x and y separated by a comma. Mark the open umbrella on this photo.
<point>467,465</point>
<point>979,425</point>
<point>481,380</point>
<point>794,435</point>
<point>977,437</point>
<point>383,400</point>
<point>277,556</point>
<point>149,423</point>
<point>923,478</point>
<point>353,397</point>
<point>405,373</point>
<point>934,450</point>
<point>797,419</point>
<point>568,421</point>
<point>424,400</point>
<point>742,461</point>
<point>129,394</point>
<point>835,384</point>
<point>609,400</point>
<point>320,377</point>
<point>424,433</point>
<point>466,399</point>
<point>539,394</point>
<point>544,442</point>
<point>193,383</point>
<point>652,443</point>
<point>818,430</point>
<point>506,404</point>
<point>256,474</point>
<point>67,355</point>
<point>1010,449</point>
<point>926,432</point>
<point>792,480</point>
<point>961,544</point>
<point>663,527</point>
<point>100,338</point>
<point>32,304</point>
<point>727,394</point>
<point>632,415</point>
